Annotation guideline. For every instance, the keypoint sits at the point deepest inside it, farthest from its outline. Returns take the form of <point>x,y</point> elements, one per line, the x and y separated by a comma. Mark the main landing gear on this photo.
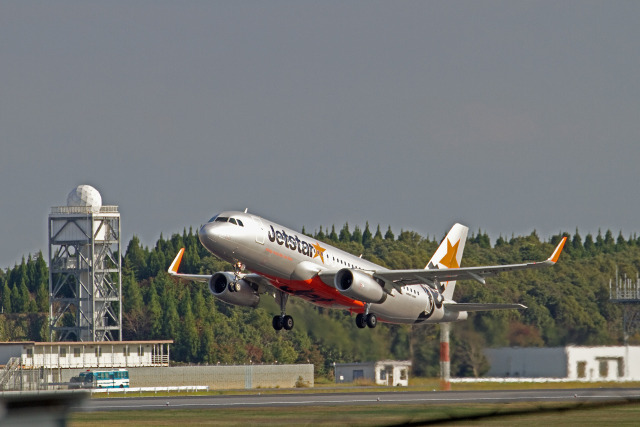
<point>366,319</point>
<point>283,321</point>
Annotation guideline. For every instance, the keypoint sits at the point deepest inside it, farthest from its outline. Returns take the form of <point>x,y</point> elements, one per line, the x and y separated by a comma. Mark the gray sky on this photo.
<point>506,116</point>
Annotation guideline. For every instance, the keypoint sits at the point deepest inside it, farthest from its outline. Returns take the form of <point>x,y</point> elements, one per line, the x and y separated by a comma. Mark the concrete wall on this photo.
<point>602,363</point>
<point>217,377</point>
<point>527,362</point>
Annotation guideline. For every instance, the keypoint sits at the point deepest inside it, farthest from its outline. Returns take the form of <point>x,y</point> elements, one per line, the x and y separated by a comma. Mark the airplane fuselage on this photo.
<point>294,263</point>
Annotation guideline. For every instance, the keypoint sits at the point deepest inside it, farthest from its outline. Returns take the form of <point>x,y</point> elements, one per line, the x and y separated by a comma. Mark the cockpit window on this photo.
<point>235,221</point>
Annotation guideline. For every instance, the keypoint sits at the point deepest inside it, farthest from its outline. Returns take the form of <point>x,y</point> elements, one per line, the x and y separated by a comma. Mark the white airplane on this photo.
<point>283,262</point>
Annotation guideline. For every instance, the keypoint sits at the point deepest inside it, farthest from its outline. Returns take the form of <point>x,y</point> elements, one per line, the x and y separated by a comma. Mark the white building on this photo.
<point>384,372</point>
<point>572,363</point>
<point>85,355</point>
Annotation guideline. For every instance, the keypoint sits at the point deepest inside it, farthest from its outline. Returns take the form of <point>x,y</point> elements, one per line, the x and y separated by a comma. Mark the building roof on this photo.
<point>378,362</point>
<point>35,343</point>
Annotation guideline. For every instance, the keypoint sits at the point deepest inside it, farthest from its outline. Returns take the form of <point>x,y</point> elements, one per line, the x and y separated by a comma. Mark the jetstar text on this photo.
<point>291,242</point>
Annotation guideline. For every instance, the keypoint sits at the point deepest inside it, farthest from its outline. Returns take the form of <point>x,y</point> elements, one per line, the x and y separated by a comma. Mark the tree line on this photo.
<point>567,304</point>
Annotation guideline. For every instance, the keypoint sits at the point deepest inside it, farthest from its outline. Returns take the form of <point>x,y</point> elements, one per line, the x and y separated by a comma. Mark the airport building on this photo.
<point>384,372</point>
<point>51,365</point>
<point>33,365</point>
<point>571,363</point>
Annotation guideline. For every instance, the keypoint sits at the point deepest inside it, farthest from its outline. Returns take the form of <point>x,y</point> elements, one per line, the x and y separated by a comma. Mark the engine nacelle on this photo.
<point>219,287</point>
<point>359,286</point>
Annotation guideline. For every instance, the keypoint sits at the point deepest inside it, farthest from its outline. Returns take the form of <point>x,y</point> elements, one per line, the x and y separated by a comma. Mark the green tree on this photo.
<point>333,236</point>
<point>367,237</point>
<point>378,235</point>
<point>7,306</point>
<point>136,259</point>
<point>356,236</point>
<point>389,234</point>
<point>345,234</point>
<point>155,312</point>
<point>17,303</point>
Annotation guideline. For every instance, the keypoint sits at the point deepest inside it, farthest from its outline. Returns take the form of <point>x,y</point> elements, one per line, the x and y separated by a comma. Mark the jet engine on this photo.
<point>359,286</point>
<point>245,296</point>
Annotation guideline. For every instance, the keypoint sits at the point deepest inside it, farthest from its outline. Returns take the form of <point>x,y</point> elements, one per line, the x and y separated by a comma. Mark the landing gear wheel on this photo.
<point>361,321</point>
<point>236,287</point>
<point>372,320</point>
<point>287,322</point>
<point>277,323</point>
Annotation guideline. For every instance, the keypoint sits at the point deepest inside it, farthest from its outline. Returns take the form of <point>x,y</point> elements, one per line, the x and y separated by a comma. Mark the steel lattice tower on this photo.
<point>626,292</point>
<point>85,272</point>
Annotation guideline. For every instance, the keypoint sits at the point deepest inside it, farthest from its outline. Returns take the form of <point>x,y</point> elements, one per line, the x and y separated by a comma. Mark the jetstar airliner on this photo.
<point>271,259</point>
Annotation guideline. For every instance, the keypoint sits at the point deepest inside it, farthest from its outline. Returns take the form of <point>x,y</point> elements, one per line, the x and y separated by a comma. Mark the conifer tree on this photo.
<point>155,311</point>
<point>136,259</point>
<point>7,306</point>
<point>345,234</point>
<point>16,301</point>
<point>42,298</point>
<point>333,236</point>
<point>367,237</point>
<point>378,235</point>
<point>25,298</point>
<point>389,234</point>
<point>589,245</point>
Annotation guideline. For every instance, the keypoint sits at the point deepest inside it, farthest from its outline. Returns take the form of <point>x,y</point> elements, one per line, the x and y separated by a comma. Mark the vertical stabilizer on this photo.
<point>449,255</point>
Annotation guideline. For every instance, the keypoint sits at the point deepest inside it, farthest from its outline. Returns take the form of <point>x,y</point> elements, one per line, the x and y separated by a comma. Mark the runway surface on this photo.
<point>358,398</point>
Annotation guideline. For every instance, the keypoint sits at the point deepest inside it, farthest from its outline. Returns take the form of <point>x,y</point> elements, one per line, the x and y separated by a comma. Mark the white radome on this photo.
<point>85,195</point>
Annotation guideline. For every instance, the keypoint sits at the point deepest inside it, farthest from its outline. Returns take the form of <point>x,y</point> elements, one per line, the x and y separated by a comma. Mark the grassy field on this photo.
<point>521,414</point>
<point>383,415</point>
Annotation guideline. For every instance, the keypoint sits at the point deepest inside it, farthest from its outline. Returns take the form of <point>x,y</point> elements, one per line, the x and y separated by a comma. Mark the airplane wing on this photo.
<point>259,283</point>
<point>481,307</point>
<point>173,270</point>
<point>398,278</point>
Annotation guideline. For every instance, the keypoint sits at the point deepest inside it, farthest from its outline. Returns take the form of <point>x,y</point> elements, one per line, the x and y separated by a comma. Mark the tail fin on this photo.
<point>449,255</point>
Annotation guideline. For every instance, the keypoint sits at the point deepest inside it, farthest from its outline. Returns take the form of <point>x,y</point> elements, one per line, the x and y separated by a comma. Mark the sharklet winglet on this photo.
<point>173,268</point>
<point>556,253</point>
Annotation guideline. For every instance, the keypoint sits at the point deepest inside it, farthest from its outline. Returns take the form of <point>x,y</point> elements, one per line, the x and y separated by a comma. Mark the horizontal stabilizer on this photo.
<point>482,307</point>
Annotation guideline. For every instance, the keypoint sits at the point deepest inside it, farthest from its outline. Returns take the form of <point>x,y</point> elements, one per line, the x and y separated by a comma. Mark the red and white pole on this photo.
<point>445,363</point>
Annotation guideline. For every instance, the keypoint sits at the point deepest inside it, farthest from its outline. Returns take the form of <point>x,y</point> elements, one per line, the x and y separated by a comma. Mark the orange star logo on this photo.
<point>319,251</point>
<point>450,260</point>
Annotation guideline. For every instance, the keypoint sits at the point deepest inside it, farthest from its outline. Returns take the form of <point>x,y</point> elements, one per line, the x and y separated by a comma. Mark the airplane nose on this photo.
<point>207,235</point>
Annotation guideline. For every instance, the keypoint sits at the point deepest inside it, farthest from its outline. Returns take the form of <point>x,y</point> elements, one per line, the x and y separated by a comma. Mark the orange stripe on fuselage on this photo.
<point>317,292</point>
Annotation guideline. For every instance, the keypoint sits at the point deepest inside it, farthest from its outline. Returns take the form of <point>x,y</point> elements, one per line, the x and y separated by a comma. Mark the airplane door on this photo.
<point>259,229</point>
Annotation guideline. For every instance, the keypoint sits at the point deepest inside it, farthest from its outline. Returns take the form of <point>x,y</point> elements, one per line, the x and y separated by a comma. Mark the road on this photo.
<point>358,398</point>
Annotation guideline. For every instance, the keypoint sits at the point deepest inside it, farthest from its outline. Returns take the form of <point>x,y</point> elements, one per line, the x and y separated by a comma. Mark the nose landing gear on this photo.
<point>237,269</point>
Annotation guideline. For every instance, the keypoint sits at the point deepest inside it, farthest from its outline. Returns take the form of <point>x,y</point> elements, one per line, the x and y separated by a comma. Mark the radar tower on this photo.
<point>85,272</point>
